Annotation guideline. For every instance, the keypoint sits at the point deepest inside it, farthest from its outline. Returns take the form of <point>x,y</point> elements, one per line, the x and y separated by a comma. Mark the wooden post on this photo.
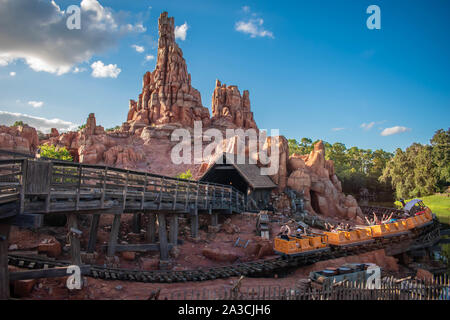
<point>114,235</point>
<point>125,191</point>
<point>72,222</point>
<point>77,202</point>
<point>22,186</point>
<point>4,277</point>
<point>194,223</point>
<point>173,232</point>
<point>102,199</point>
<point>136,222</point>
<point>163,245</point>
<point>214,219</point>
<point>144,188</point>
<point>93,233</point>
<point>151,228</point>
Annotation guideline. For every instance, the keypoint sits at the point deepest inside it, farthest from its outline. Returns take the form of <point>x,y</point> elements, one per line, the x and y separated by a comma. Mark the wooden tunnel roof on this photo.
<point>250,172</point>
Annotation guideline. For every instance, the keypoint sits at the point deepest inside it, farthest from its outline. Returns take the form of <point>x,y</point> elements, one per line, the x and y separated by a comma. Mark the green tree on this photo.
<point>53,152</point>
<point>19,124</point>
<point>441,157</point>
<point>185,175</point>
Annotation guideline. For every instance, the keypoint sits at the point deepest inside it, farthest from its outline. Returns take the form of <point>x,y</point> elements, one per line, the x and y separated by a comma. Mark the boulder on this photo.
<point>149,263</point>
<point>220,255</point>
<point>128,255</point>
<point>423,274</point>
<point>51,249</point>
<point>23,288</point>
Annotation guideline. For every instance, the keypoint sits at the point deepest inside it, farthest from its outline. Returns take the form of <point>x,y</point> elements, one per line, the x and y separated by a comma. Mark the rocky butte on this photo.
<point>168,101</point>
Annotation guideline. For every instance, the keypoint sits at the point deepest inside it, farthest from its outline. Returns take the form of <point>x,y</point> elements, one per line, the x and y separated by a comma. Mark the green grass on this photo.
<point>439,205</point>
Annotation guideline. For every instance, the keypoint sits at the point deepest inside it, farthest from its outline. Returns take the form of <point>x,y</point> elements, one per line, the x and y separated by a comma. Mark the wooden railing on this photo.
<point>437,289</point>
<point>61,186</point>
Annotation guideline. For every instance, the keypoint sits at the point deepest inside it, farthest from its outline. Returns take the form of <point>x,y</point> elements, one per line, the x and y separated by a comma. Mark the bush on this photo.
<point>185,175</point>
<point>19,124</point>
<point>53,152</point>
<point>112,129</point>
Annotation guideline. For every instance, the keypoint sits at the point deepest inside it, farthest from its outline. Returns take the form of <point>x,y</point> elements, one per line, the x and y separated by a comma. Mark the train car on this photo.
<point>300,245</point>
<point>365,274</point>
<point>349,238</point>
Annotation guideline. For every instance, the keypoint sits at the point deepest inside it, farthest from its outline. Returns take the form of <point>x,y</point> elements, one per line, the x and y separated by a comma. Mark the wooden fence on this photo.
<point>59,186</point>
<point>437,289</point>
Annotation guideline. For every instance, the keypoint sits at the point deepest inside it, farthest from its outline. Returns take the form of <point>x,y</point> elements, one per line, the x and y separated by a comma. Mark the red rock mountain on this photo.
<point>167,95</point>
<point>168,101</point>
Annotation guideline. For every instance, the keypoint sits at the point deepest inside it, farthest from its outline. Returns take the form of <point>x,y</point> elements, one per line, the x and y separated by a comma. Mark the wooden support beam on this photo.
<point>151,228</point>
<point>93,233</point>
<point>136,223</point>
<point>140,247</point>
<point>194,223</point>
<point>214,219</point>
<point>4,277</point>
<point>173,231</point>
<point>57,272</point>
<point>163,244</point>
<point>75,249</point>
<point>102,199</point>
<point>113,236</point>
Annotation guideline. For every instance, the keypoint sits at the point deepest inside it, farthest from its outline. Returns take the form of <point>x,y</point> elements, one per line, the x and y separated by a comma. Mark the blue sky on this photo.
<point>313,68</point>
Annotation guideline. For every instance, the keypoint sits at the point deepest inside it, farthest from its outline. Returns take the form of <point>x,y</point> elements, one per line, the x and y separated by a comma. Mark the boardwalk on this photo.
<point>31,188</point>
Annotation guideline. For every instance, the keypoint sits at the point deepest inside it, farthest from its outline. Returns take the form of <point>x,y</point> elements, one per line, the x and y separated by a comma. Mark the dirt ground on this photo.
<point>188,255</point>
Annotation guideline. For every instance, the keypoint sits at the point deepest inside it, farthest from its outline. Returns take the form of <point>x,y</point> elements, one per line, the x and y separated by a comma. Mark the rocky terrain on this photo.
<point>167,102</point>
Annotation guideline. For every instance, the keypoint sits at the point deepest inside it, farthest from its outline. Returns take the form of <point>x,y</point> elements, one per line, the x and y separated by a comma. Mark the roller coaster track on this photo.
<point>419,238</point>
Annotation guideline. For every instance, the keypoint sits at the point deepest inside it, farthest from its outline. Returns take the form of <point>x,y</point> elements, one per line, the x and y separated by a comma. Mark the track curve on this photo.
<point>424,237</point>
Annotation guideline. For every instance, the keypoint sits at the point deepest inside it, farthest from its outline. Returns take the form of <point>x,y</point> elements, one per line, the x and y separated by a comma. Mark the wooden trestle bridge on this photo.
<point>31,188</point>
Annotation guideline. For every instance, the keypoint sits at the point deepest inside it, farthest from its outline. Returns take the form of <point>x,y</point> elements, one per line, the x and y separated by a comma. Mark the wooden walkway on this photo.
<point>31,188</point>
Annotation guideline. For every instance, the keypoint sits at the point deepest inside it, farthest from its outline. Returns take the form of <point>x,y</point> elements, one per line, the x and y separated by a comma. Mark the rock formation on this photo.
<point>168,101</point>
<point>167,95</point>
<point>230,109</point>
<point>23,139</point>
<point>315,177</point>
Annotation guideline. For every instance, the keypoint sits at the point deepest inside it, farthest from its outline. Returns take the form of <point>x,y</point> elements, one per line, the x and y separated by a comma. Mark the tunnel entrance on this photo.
<point>227,175</point>
<point>246,178</point>
<point>314,201</point>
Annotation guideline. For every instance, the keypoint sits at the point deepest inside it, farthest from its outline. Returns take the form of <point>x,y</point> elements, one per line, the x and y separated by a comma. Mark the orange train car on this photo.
<point>349,238</point>
<point>300,245</point>
<point>320,242</point>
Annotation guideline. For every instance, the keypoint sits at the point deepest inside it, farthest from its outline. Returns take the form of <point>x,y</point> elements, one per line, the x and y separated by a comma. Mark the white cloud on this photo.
<point>181,31</point>
<point>42,124</point>
<point>100,70</point>
<point>149,57</point>
<point>78,70</point>
<point>138,27</point>
<point>36,104</point>
<point>139,49</point>
<point>253,27</point>
<point>368,126</point>
<point>338,129</point>
<point>394,130</point>
<point>36,32</point>
<point>12,74</point>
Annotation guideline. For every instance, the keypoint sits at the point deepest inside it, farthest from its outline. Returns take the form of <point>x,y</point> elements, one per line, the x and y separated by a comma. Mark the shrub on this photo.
<point>53,152</point>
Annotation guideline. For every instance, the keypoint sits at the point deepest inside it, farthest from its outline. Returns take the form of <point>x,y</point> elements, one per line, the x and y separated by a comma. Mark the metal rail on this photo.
<point>423,237</point>
<point>44,186</point>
